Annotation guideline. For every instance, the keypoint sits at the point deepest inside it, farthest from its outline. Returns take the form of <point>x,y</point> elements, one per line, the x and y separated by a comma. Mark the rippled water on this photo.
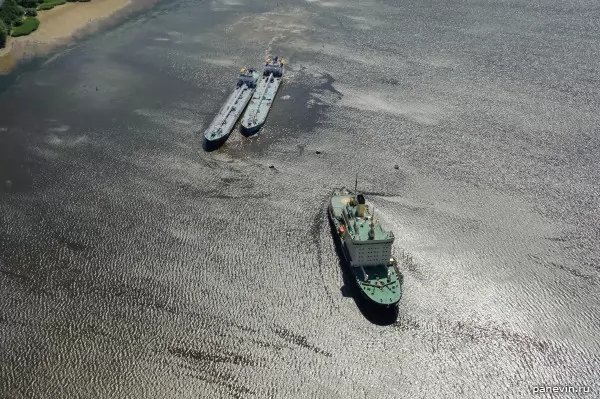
<point>134,264</point>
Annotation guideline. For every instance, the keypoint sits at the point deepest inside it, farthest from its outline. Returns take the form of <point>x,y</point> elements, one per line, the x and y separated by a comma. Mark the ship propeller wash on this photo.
<point>258,109</point>
<point>366,248</point>
<point>220,128</point>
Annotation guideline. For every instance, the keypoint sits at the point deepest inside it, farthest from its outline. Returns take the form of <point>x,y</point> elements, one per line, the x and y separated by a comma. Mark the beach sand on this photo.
<point>57,26</point>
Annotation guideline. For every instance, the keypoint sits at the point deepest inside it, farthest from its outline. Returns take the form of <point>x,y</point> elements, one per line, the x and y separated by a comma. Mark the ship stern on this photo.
<point>249,130</point>
<point>213,144</point>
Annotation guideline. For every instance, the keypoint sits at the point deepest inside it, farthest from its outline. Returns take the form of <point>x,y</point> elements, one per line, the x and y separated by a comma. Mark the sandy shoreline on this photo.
<point>57,26</point>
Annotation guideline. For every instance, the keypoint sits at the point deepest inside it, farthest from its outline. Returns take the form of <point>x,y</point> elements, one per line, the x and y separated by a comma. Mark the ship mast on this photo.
<point>371,230</point>
<point>356,184</point>
<point>372,216</point>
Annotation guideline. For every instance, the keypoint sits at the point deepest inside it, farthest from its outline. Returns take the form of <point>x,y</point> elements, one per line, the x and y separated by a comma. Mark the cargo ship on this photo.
<point>264,95</point>
<point>220,128</point>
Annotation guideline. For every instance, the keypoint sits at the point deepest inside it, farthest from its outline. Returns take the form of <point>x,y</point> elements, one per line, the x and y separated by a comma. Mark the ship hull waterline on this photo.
<point>212,145</point>
<point>250,130</point>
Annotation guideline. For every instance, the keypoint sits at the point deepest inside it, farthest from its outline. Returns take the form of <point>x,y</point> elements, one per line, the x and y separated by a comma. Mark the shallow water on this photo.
<point>134,264</point>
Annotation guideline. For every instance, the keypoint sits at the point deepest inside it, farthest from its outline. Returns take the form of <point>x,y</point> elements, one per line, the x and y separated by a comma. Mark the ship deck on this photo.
<point>224,121</point>
<point>380,287</point>
<point>261,102</point>
<point>338,202</point>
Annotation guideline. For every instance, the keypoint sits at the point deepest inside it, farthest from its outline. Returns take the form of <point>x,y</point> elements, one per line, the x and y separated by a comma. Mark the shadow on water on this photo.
<point>375,314</point>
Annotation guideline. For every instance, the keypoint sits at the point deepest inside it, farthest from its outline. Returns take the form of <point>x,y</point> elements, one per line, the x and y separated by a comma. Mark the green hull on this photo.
<point>378,281</point>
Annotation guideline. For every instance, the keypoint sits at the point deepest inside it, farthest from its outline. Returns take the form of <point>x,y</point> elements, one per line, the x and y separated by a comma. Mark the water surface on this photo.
<point>134,264</point>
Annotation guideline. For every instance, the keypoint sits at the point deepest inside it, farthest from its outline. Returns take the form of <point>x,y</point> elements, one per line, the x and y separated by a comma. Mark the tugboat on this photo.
<point>220,128</point>
<point>366,248</point>
<point>260,105</point>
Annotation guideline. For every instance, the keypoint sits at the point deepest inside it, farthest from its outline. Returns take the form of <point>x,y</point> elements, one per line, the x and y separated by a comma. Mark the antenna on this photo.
<point>371,230</point>
<point>356,183</point>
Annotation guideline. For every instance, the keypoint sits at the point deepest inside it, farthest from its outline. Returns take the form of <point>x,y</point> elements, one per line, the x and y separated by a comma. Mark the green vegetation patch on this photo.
<point>3,33</point>
<point>10,11</point>
<point>48,5</point>
<point>29,25</point>
<point>28,3</point>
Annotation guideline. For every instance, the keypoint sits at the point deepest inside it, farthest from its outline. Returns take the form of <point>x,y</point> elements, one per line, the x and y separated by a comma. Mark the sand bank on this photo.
<point>57,26</point>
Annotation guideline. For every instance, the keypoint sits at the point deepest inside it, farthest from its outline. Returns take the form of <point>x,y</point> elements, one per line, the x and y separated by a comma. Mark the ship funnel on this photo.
<point>360,210</point>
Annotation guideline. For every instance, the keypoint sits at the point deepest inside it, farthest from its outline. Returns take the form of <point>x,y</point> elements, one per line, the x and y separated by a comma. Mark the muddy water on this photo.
<point>133,264</point>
